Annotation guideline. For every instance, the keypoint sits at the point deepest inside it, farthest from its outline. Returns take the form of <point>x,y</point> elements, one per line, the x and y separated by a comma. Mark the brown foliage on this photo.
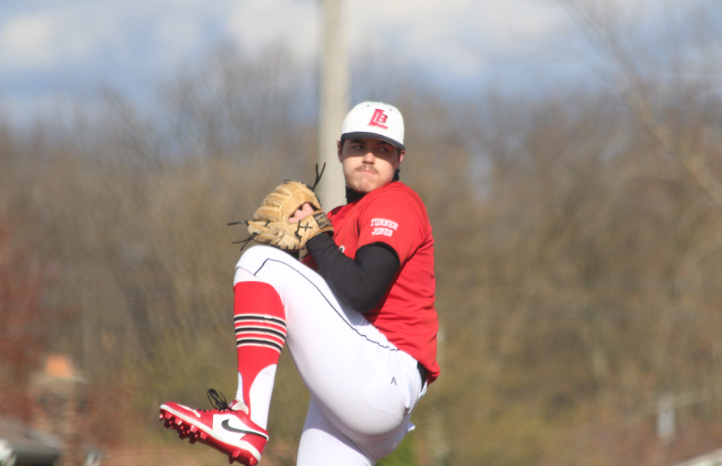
<point>578,255</point>
<point>23,339</point>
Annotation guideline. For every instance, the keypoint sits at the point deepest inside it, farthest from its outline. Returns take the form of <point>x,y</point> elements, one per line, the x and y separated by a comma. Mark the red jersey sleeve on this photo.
<point>395,217</point>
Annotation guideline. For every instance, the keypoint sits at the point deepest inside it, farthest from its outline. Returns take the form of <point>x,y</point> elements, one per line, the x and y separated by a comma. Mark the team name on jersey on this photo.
<point>383,227</point>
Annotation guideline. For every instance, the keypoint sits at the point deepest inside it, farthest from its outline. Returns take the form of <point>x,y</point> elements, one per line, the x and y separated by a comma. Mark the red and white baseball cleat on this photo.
<point>224,428</point>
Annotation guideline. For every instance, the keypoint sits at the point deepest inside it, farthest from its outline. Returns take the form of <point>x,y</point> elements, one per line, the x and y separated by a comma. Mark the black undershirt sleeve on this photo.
<point>360,282</point>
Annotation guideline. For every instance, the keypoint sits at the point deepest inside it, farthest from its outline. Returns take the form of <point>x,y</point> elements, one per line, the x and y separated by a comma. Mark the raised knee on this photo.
<point>255,257</point>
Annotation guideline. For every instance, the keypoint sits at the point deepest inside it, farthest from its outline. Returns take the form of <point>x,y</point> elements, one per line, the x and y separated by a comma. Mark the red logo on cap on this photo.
<point>379,119</point>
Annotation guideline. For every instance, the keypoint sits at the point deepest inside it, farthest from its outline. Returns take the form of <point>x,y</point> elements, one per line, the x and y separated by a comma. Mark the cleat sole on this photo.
<point>194,434</point>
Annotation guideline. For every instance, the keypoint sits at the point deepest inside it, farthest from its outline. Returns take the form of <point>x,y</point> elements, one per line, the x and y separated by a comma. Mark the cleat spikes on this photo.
<point>204,426</point>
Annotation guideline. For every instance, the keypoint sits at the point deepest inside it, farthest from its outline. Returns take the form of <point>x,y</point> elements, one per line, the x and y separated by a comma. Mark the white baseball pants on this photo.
<point>363,388</point>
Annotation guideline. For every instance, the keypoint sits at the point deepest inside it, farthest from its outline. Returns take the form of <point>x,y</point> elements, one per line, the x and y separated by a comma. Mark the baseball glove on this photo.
<point>270,222</point>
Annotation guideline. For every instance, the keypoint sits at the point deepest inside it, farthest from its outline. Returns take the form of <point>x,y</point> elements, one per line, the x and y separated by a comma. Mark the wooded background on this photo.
<point>578,229</point>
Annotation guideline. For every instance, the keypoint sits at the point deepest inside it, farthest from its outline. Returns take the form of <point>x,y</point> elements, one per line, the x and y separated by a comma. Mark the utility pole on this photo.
<point>334,102</point>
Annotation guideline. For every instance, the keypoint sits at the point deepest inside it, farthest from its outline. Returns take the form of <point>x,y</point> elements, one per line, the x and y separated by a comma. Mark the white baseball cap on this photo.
<point>375,120</point>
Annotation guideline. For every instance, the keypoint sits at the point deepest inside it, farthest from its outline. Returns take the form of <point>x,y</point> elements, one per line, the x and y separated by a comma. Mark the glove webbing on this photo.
<point>254,235</point>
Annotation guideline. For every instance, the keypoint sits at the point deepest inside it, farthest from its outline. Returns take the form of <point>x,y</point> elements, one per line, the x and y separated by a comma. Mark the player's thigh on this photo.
<point>318,325</point>
<point>371,398</point>
<point>365,384</point>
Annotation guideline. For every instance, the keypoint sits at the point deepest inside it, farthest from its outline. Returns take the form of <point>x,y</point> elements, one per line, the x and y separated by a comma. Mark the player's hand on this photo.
<point>300,214</point>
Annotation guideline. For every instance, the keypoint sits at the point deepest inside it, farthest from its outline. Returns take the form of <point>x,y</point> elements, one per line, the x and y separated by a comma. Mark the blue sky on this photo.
<point>50,49</point>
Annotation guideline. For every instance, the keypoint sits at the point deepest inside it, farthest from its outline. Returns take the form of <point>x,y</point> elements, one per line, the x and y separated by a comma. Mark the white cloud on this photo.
<point>455,35</point>
<point>64,35</point>
<point>27,41</point>
<point>450,32</point>
<point>256,22</point>
<point>106,40</point>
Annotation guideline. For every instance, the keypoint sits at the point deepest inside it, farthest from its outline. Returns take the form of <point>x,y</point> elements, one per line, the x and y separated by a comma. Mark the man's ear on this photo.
<point>401,155</point>
<point>339,145</point>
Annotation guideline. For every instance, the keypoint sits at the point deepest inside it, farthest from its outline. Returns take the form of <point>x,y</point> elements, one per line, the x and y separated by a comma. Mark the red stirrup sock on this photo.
<point>260,322</point>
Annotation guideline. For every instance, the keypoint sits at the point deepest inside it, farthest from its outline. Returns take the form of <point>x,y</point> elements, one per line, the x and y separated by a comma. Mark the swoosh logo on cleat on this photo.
<point>228,427</point>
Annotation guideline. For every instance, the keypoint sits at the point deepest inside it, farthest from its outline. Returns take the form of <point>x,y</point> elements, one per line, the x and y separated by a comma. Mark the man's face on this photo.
<point>368,164</point>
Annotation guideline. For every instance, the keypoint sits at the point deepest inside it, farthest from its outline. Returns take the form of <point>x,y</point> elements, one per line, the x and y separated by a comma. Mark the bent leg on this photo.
<point>364,385</point>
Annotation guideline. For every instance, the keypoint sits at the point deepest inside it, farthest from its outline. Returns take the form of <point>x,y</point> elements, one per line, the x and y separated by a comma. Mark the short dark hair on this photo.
<point>343,139</point>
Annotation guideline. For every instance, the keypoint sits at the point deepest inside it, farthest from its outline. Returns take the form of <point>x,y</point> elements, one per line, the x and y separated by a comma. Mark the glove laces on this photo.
<point>253,236</point>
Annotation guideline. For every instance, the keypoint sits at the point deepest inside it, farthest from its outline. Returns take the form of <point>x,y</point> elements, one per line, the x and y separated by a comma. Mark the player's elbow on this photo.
<point>367,302</point>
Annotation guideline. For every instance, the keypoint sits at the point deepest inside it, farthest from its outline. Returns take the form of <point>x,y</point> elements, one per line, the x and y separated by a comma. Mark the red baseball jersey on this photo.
<point>395,215</point>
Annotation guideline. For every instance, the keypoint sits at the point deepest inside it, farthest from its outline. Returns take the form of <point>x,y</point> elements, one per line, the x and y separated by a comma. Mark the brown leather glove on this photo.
<point>270,222</point>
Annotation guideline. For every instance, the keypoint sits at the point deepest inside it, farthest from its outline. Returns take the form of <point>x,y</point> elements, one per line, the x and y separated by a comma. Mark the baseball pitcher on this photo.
<point>357,313</point>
